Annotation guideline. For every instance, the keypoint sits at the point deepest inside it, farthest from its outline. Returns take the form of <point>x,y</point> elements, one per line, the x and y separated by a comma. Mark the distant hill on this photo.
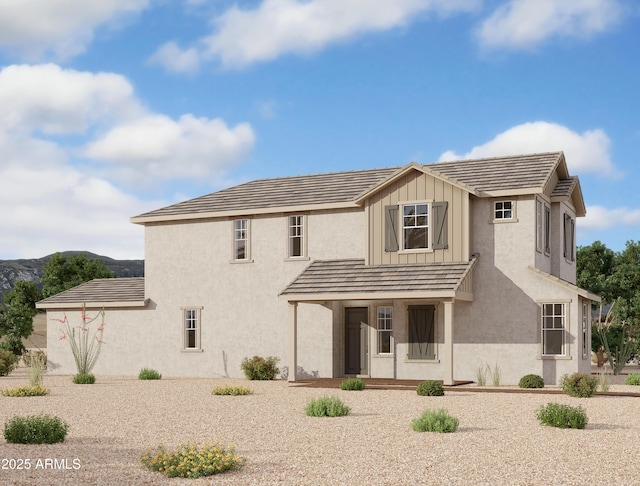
<point>30,270</point>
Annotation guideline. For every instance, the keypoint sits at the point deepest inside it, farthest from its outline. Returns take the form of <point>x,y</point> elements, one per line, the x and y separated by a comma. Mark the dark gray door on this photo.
<point>356,349</point>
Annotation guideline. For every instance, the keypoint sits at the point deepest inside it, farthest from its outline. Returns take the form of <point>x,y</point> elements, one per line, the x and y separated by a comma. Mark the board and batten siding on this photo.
<point>419,187</point>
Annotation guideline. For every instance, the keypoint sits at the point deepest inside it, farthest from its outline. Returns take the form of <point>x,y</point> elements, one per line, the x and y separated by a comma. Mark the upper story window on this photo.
<point>504,210</point>
<point>543,226</point>
<point>415,226</point>
<point>547,229</point>
<point>191,328</point>
<point>241,240</point>
<point>569,237</point>
<point>296,243</point>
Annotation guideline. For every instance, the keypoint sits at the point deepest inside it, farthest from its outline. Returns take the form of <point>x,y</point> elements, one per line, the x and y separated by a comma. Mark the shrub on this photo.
<point>632,379</point>
<point>496,374</point>
<point>563,416</point>
<point>579,385</point>
<point>326,407</point>
<point>352,384</point>
<point>8,362</point>
<point>35,429</point>
<point>232,390</point>
<point>26,391</point>
<point>192,461</point>
<point>435,421</point>
<point>38,354</point>
<point>531,381</point>
<point>84,379</point>
<point>430,388</point>
<point>604,383</point>
<point>149,374</point>
<point>481,375</point>
<point>37,363</point>
<point>258,368</point>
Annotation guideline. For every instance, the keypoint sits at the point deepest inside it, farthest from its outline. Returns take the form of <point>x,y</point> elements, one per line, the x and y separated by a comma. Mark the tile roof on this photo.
<point>353,276</point>
<point>564,187</point>
<point>99,292</point>
<point>343,188</point>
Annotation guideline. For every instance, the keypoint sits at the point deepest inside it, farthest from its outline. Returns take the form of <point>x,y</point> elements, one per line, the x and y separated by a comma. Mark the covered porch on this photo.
<point>400,315</point>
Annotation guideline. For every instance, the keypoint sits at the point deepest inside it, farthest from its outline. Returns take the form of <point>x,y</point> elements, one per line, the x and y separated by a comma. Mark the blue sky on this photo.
<point>111,108</point>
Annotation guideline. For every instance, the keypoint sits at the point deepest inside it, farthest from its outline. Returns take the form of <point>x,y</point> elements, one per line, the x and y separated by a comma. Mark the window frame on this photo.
<point>302,218</point>
<point>586,341</point>
<point>502,219</point>
<point>386,330</point>
<point>569,237</point>
<point>547,229</point>
<point>539,225</point>
<point>191,314</point>
<point>428,226</point>
<point>246,239</point>
<point>564,330</point>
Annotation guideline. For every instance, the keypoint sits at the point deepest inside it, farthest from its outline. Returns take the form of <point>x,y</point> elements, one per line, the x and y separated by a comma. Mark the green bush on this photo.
<point>563,416</point>
<point>149,374</point>
<point>259,368</point>
<point>8,362</point>
<point>26,391</point>
<point>35,429</point>
<point>435,421</point>
<point>430,388</point>
<point>192,461</point>
<point>84,379</point>
<point>326,407</point>
<point>352,384</point>
<point>531,381</point>
<point>581,385</point>
<point>632,379</point>
<point>13,344</point>
<point>232,390</point>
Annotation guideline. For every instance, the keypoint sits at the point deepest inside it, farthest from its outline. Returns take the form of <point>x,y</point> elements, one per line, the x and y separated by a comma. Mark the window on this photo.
<point>547,229</point>
<point>191,328</point>
<point>569,237</point>
<point>553,329</point>
<point>241,239</point>
<point>415,226</point>
<point>586,348</point>
<point>422,332</point>
<point>296,236</point>
<point>503,210</point>
<point>539,226</point>
<point>385,330</point>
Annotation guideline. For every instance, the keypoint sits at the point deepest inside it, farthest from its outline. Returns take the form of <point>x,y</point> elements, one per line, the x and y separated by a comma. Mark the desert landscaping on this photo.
<point>498,441</point>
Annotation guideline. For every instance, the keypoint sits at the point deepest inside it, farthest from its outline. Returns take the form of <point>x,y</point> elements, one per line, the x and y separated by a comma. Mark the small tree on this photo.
<point>618,345</point>
<point>16,319</point>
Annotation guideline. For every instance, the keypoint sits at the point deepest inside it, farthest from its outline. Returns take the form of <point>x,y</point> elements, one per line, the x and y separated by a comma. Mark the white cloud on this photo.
<point>277,27</point>
<point>520,24</point>
<point>187,148</point>
<point>171,57</point>
<point>62,28</point>
<point>586,152</point>
<point>55,197</point>
<point>599,218</point>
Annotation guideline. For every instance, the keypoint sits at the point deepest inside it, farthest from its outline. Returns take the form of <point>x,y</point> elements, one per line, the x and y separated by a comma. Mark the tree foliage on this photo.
<point>615,276</point>
<point>62,273</point>
<point>16,319</point>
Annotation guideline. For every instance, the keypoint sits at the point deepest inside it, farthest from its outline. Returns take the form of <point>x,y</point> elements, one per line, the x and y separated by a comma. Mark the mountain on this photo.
<point>31,269</point>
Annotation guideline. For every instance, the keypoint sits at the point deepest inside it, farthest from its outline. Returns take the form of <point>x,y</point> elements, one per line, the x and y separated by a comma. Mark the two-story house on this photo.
<point>415,272</point>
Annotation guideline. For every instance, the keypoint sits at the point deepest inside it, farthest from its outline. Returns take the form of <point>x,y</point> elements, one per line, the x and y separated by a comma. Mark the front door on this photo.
<point>356,342</point>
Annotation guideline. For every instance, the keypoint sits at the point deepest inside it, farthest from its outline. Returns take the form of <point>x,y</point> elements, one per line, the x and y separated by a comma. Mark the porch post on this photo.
<point>448,342</point>
<point>293,341</point>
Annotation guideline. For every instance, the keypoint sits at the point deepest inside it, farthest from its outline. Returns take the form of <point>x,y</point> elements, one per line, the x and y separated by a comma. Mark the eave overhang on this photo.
<point>567,285</point>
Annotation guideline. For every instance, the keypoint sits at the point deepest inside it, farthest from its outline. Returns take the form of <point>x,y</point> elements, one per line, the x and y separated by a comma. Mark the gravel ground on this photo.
<point>499,440</point>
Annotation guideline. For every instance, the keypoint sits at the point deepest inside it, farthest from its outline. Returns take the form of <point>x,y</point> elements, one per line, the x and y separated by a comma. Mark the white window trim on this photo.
<point>542,232</point>
<point>547,229</point>
<point>248,258</point>
<point>198,310</point>
<point>512,219</point>
<point>378,331</point>
<point>305,237</point>
<point>401,205</point>
<point>567,333</point>
<point>586,329</point>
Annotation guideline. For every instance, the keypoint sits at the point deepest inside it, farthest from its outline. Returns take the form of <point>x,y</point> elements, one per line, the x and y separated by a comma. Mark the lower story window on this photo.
<point>385,330</point>
<point>554,320</point>
<point>422,332</point>
<point>191,328</point>
<point>586,348</point>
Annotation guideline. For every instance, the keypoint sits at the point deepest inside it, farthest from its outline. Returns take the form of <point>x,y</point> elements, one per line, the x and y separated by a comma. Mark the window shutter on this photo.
<point>391,228</point>
<point>440,229</point>
<point>421,332</point>
<point>567,234</point>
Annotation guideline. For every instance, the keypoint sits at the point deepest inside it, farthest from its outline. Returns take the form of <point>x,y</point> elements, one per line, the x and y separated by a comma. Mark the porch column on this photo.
<point>448,342</point>
<point>293,341</point>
